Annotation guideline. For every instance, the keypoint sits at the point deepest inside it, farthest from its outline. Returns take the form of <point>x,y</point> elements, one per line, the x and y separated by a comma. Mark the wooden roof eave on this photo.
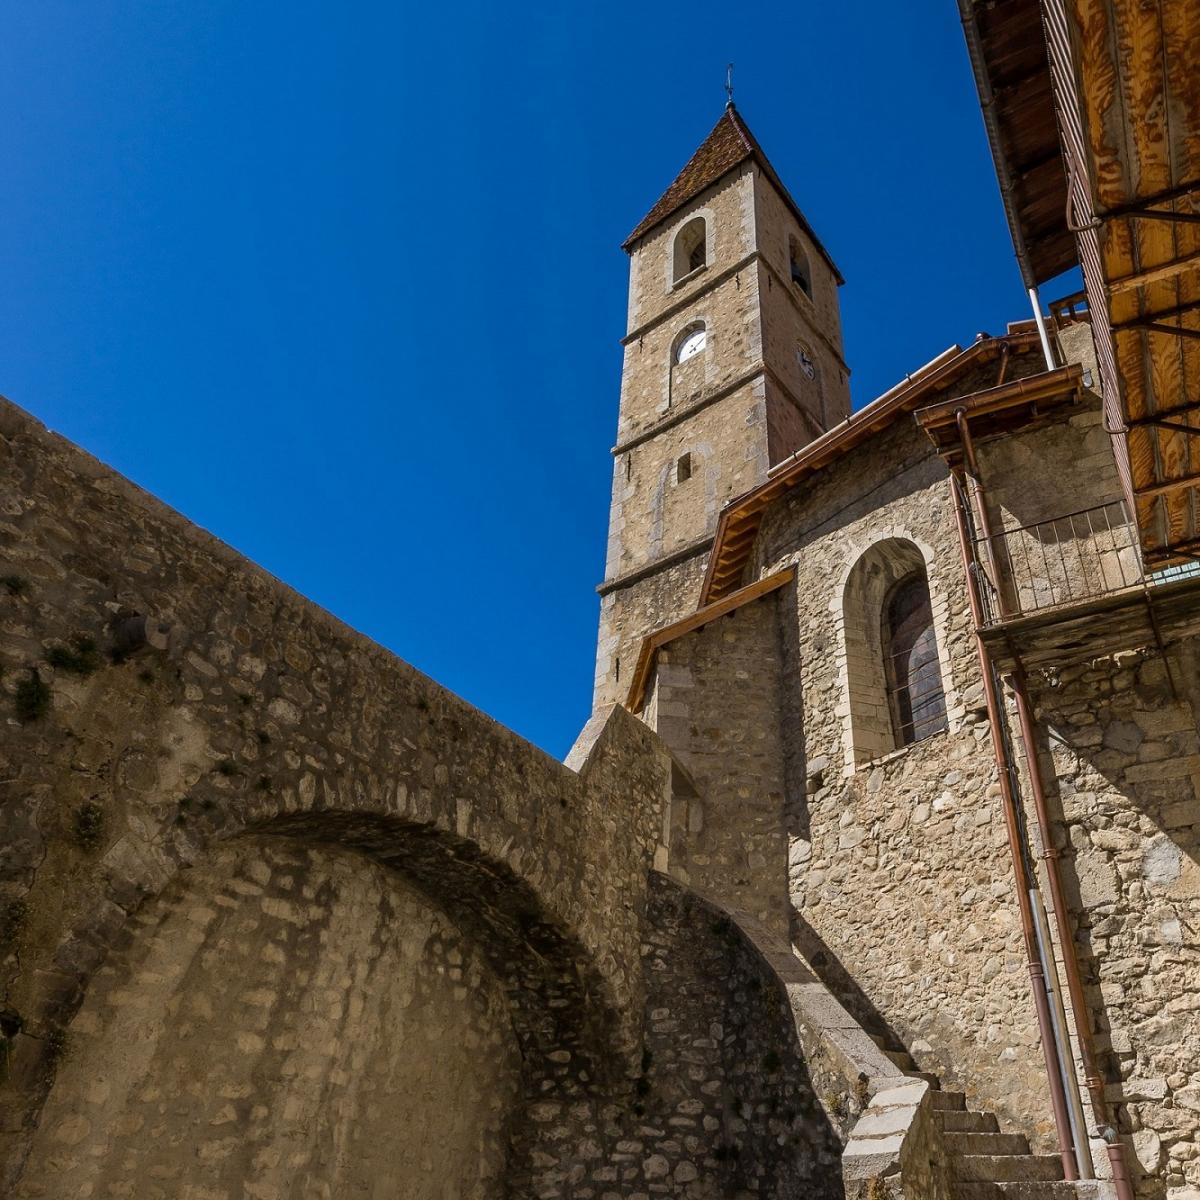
<point>1004,408</point>
<point>727,560</point>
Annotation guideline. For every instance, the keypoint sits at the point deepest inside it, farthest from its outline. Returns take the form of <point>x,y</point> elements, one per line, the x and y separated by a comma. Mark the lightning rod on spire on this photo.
<point>729,85</point>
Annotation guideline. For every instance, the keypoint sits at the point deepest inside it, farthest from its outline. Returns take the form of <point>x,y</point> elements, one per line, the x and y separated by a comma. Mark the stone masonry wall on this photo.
<point>260,713</point>
<point>716,703</point>
<point>280,1015</point>
<point>900,876</point>
<point>1123,749</point>
<point>628,614</point>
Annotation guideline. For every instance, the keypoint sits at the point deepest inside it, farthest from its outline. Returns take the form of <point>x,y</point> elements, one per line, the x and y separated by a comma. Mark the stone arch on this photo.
<point>866,583</point>
<point>285,1018</point>
<point>509,886</point>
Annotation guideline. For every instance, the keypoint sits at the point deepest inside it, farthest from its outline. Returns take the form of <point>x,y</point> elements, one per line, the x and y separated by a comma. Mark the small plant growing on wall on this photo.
<point>89,825</point>
<point>79,656</point>
<point>32,697</point>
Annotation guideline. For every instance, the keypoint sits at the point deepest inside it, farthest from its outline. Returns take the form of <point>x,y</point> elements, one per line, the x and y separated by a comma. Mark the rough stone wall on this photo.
<point>264,714</point>
<point>1123,749</point>
<point>734,1110</point>
<point>716,703</point>
<point>628,614</point>
<point>738,406</point>
<point>793,320</point>
<point>728,209</point>
<point>659,513</point>
<point>283,1017</point>
<point>900,875</point>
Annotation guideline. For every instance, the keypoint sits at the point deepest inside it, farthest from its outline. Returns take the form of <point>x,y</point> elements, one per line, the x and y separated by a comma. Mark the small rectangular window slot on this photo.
<point>683,468</point>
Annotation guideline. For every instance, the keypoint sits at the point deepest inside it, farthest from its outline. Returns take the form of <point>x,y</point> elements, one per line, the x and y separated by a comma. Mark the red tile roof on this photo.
<point>728,146</point>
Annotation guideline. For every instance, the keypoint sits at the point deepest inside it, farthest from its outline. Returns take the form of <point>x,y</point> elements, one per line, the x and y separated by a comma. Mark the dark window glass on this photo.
<point>914,678</point>
<point>696,258</point>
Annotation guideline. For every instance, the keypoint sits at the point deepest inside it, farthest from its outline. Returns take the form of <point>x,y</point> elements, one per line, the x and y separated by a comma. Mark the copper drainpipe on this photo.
<point>1004,769</point>
<point>1093,1080</point>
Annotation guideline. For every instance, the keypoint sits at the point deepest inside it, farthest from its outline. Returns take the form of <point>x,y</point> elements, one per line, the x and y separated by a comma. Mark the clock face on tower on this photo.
<point>807,367</point>
<point>691,345</point>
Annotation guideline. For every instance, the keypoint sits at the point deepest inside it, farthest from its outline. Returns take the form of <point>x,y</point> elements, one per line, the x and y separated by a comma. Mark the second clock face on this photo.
<point>692,345</point>
<point>807,366</point>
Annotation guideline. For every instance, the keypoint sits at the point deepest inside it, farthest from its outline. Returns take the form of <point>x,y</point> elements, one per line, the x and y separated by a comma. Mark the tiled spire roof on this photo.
<point>728,145</point>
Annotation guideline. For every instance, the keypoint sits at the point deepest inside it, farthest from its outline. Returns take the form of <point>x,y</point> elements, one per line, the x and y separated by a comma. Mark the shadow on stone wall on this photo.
<point>1122,763</point>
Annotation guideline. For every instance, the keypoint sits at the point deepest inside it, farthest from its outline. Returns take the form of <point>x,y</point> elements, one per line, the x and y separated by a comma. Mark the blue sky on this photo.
<point>342,282</point>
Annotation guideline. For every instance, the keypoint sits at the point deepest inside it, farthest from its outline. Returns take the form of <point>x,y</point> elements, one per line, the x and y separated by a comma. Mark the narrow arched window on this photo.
<point>916,696</point>
<point>798,266</point>
<point>691,248</point>
<point>895,690</point>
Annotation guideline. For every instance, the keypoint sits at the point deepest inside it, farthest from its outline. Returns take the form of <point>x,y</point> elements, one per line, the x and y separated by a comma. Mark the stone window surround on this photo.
<point>707,357</point>
<point>673,282</point>
<point>853,763</point>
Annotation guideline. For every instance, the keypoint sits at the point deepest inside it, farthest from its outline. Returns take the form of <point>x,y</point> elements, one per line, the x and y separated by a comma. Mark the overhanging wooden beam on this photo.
<point>1168,485</point>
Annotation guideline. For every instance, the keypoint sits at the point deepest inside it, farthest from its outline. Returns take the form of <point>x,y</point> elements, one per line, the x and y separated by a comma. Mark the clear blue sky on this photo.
<point>342,282</point>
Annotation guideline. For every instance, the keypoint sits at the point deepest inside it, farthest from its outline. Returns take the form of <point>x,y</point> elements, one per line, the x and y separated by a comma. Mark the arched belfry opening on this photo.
<point>798,266</point>
<point>691,248</point>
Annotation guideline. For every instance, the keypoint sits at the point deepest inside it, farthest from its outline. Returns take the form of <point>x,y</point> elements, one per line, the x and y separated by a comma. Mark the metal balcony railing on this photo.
<point>1064,561</point>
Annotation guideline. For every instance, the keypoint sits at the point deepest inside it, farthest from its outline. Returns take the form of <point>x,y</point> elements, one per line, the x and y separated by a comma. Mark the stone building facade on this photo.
<point>283,918</point>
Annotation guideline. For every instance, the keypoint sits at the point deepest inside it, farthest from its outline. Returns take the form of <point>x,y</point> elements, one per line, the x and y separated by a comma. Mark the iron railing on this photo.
<point>1063,561</point>
<point>1060,561</point>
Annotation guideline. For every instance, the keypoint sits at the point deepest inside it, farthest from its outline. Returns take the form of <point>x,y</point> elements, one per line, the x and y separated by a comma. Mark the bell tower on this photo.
<point>733,361</point>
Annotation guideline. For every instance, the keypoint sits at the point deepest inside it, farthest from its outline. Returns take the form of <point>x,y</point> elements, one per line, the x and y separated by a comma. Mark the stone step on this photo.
<point>1006,1168</point>
<point>1088,1189</point>
<point>957,1121</point>
<point>942,1100</point>
<point>929,1077</point>
<point>985,1142</point>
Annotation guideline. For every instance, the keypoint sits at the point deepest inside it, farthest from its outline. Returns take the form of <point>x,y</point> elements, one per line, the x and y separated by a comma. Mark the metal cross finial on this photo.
<point>729,84</point>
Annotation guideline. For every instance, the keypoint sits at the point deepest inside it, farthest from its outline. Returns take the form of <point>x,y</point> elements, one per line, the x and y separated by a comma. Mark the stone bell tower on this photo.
<point>733,360</point>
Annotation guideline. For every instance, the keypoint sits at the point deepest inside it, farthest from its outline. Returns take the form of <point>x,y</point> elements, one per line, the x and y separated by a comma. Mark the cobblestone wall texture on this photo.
<point>284,1021</point>
<point>717,702</point>
<point>262,713</point>
<point>1123,747</point>
<point>900,876</point>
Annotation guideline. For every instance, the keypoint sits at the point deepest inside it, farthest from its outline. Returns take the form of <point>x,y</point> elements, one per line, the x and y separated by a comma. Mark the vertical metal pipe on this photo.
<point>985,517</point>
<point>1066,1059</point>
<point>1093,1080</point>
<point>1041,328</point>
<point>1004,769</point>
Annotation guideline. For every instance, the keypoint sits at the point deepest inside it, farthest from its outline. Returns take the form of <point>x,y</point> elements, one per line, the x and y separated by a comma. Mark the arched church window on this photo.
<point>895,690</point>
<point>916,695</point>
<point>798,266</point>
<point>691,248</point>
<point>691,343</point>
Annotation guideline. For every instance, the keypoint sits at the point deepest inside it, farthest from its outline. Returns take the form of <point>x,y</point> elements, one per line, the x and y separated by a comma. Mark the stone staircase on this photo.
<point>986,1164</point>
